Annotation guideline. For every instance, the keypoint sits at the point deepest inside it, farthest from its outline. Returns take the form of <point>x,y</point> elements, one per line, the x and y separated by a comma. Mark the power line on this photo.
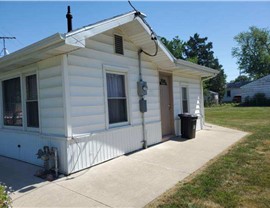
<point>4,38</point>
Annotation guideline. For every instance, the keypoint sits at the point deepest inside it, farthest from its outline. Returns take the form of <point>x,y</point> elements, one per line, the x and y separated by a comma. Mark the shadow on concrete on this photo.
<point>179,139</point>
<point>19,175</point>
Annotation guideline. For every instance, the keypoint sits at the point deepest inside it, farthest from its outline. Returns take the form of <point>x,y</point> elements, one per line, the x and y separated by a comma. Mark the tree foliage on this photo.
<point>199,51</point>
<point>197,47</point>
<point>242,78</point>
<point>175,46</point>
<point>253,52</point>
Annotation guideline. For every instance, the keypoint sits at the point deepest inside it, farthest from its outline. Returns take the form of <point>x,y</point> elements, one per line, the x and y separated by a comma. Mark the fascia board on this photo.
<point>77,38</point>
<point>42,45</point>
<point>199,68</point>
<point>160,44</point>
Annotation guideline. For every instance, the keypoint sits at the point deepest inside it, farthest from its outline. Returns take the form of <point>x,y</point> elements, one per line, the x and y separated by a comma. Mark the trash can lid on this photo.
<point>188,115</point>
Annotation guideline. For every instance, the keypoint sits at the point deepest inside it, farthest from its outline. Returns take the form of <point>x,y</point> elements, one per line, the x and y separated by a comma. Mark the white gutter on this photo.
<point>30,51</point>
<point>51,40</point>
<point>196,67</point>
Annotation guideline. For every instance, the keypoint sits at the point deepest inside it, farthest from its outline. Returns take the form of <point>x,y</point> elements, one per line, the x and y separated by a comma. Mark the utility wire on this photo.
<point>132,6</point>
<point>153,35</point>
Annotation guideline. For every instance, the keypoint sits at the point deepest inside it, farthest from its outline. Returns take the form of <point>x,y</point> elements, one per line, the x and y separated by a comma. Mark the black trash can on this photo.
<point>188,125</point>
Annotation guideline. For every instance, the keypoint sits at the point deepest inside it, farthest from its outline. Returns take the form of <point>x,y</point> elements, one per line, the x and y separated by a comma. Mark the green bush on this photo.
<point>259,99</point>
<point>5,198</point>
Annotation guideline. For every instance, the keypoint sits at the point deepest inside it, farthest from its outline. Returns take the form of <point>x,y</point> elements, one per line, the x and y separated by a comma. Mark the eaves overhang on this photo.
<point>46,48</point>
<point>183,66</point>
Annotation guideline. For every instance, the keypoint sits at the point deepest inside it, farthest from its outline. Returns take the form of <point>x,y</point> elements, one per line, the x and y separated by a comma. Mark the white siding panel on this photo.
<point>54,112</point>
<point>88,110</point>
<point>51,97</point>
<point>194,96</point>
<point>52,92</point>
<point>86,91</point>
<point>87,82</point>
<point>86,101</point>
<point>29,145</point>
<point>86,151</point>
<point>259,86</point>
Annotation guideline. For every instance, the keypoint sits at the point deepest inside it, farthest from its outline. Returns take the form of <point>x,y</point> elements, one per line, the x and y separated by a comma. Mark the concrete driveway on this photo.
<point>128,181</point>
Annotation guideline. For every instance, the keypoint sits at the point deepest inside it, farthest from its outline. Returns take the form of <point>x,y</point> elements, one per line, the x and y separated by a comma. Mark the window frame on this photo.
<point>25,101</point>
<point>2,102</point>
<point>188,100</point>
<point>120,71</point>
<point>22,78</point>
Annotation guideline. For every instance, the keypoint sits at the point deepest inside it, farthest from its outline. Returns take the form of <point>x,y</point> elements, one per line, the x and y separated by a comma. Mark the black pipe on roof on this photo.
<point>69,19</point>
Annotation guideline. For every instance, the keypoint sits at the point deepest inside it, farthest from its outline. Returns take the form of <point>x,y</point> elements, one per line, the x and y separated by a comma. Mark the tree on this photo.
<point>242,78</point>
<point>198,48</point>
<point>175,46</point>
<point>253,52</point>
<point>198,51</point>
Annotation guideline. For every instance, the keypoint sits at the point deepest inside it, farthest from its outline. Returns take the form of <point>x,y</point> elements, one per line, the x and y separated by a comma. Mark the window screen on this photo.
<point>184,100</point>
<point>117,100</point>
<point>32,101</point>
<point>12,104</point>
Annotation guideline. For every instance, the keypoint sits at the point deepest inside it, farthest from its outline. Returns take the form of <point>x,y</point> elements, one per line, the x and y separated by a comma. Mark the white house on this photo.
<point>78,92</point>
<point>261,85</point>
<point>233,91</point>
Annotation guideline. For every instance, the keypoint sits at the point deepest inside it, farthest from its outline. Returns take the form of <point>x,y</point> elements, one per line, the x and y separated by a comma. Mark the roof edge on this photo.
<point>210,71</point>
<point>51,40</point>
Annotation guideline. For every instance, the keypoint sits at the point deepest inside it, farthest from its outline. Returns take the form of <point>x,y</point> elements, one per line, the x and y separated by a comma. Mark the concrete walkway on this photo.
<point>128,181</point>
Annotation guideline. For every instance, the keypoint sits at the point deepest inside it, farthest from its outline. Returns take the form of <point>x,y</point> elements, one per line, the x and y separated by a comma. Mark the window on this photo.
<point>32,101</point>
<point>117,99</point>
<point>12,104</point>
<point>118,44</point>
<point>184,100</point>
<point>229,93</point>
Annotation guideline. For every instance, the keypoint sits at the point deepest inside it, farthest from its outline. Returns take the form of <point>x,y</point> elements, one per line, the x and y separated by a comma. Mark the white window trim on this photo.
<point>36,129</point>
<point>122,71</point>
<point>2,103</point>
<point>22,77</point>
<point>181,96</point>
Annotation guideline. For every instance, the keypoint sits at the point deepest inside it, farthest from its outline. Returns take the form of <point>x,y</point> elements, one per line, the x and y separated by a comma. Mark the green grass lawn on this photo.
<point>241,177</point>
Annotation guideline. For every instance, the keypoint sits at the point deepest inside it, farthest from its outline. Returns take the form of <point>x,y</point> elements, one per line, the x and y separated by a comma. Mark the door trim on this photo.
<point>170,77</point>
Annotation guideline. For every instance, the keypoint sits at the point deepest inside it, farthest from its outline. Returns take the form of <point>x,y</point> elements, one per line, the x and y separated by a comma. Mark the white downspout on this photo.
<point>202,99</point>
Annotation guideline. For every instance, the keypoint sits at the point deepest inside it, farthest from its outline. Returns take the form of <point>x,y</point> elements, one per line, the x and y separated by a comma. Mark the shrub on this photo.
<point>5,196</point>
<point>259,99</point>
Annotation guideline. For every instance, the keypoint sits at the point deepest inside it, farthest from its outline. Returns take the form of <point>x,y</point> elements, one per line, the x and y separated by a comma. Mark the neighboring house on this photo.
<point>233,91</point>
<point>261,85</point>
<point>211,97</point>
<point>78,92</point>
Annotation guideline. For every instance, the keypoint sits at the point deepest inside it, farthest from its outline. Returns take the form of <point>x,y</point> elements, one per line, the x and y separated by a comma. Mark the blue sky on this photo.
<point>219,21</point>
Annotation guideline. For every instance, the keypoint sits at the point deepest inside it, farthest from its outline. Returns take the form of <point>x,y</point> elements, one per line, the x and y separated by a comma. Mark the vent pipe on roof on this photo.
<point>69,19</point>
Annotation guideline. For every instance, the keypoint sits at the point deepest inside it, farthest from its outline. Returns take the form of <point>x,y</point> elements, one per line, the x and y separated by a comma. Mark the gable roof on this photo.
<point>132,24</point>
<point>265,79</point>
<point>237,84</point>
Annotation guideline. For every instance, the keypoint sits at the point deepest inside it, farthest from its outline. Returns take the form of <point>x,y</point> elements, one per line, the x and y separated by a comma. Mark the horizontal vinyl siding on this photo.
<point>92,141</point>
<point>90,150</point>
<point>51,97</point>
<point>194,96</point>
<point>259,86</point>
<point>85,70</point>
<point>30,143</point>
